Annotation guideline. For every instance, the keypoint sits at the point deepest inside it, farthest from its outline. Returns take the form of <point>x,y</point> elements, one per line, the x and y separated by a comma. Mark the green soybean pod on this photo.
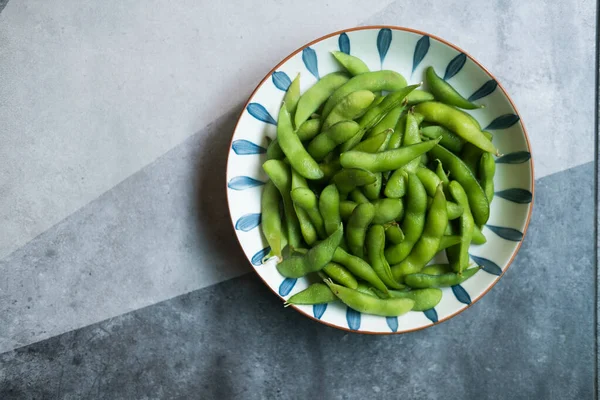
<point>397,136</point>
<point>460,172</point>
<point>428,244</point>
<point>389,81</point>
<point>478,236</point>
<point>425,299</point>
<point>328,140</point>
<point>396,184</point>
<point>295,152</point>
<point>387,160</point>
<point>487,170</point>
<point>393,233</point>
<point>317,293</point>
<point>458,255</point>
<point>450,140</point>
<point>309,129</point>
<point>419,96</point>
<point>454,210</point>
<point>375,246</point>
<point>471,155</point>
<point>374,143</point>
<point>329,207</point>
<point>314,260</point>
<point>373,190</point>
<point>346,209</point>
<point>359,268</point>
<point>429,179</point>
<point>349,179</point>
<point>445,93</point>
<point>329,170</point>
<point>354,65</point>
<point>368,304</point>
<point>350,107</point>
<point>358,197</point>
<point>422,281</point>
<point>306,199</point>
<point>280,174</point>
<point>437,269</point>
<point>413,222</point>
<point>309,231</point>
<point>314,97</point>
<point>456,121</point>
<point>341,275</point>
<point>387,122</point>
<point>356,229</point>
<point>292,95</point>
<point>270,219</point>
<point>274,151</point>
<point>387,210</point>
<point>448,240</point>
<point>439,171</point>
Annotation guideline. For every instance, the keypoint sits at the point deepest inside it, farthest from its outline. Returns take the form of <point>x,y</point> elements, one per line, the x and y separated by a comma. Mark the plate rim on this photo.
<point>416,31</point>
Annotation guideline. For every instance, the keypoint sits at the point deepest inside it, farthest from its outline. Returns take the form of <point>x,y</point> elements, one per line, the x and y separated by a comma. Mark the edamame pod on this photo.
<point>346,209</point>
<point>309,129</point>
<point>478,236</point>
<point>451,118</point>
<point>388,210</point>
<point>425,299</point>
<point>458,255</point>
<point>390,81</point>
<point>317,293</point>
<point>422,281</point>
<point>292,95</point>
<point>312,99</point>
<point>354,65</point>
<point>314,260</point>
<point>419,96</point>
<point>393,233</point>
<point>348,179</point>
<point>270,219</point>
<point>306,199</point>
<point>295,152</point>
<point>329,207</point>
<point>350,107</point>
<point>328,140</point>
<point>461,173</point>
<point>365,303</point>
<point>357,228</point>
<point>450,140</point>
<point>375,247</point>
<point>340,274</point>
<point>445,93</point>
<point>387,122</point>
<point>374,143</point>
<point>448,240</point>
<point>487,170</point>
<point>359,268</point>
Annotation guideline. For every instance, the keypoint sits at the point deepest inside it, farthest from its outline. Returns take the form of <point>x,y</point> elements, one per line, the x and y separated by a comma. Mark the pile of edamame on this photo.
<point>369,180</point>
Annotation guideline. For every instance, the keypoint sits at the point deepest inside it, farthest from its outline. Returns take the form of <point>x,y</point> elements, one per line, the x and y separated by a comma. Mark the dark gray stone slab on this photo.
<point>531,337</point>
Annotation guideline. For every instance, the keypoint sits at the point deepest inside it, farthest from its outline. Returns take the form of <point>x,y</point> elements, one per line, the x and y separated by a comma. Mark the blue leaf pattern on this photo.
<point>461,294</point>
<point>487,265</point>
<point>455,65</point>
<point>245,147</point>
<point>286,286</point>
<point>392,323</point>
<point>281,80</point>
<point>506,233</point>
<point>353,319</point>
<point>421,49</point>
<point>520,196</point>
<point>344,43</point>
<point>484,90</point>
<point>258,257</point>
<point>319,310</point>
<point>431,314</point>
<point>260,113</point>
<point>243,183</point>
<point>384,40</point>
<point>503,122</point>
<point>247,222</point>
<point>309,57</point>
<point>518,157</point>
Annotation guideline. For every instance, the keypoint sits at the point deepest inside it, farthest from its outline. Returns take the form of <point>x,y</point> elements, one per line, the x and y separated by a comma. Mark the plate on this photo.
<point>409,52</point>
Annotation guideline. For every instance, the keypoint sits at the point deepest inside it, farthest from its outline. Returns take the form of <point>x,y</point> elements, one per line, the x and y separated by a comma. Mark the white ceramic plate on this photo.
<point>409,52</point>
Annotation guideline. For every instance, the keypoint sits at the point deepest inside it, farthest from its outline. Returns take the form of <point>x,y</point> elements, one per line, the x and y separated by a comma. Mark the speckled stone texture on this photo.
<point>530,337</point>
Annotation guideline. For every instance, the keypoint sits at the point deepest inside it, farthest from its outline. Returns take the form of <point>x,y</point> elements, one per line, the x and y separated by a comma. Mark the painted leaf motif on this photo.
<point>260,113</point>
<point>461,294</point>
<point>503,122</point>
<point>244,147</point>
<point>353,319</point>
<point>421,49</point>
<point>309,57</point>
<point>485,90</point>
<point>506,233</point>
<point>243,183</point>
<point>487,265</point>
<point>455,65</point>
<point>344,43</point>
<point>431,314</point>
<point>520,196</point>
<point>392,323</point>
<point>281,80</point>
<point>518,157</point>
<point>247,222</point>
<point>384,40</point>
<point>286,286</point>
<point>258,257</point>
<point>319,310</point>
